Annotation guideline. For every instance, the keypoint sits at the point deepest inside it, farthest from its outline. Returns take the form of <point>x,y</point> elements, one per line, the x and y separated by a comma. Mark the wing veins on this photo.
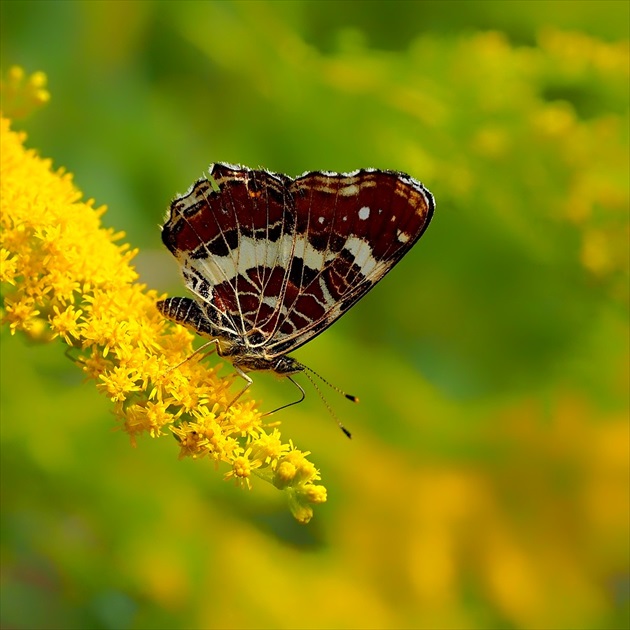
<point>275,263</point>
<point>210,256</point>
<point>285,279</point>
<point>380,269</point>
<point>238,259</point>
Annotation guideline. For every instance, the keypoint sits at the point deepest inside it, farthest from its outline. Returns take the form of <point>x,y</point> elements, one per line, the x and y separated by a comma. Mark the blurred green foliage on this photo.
<point>487,484</point>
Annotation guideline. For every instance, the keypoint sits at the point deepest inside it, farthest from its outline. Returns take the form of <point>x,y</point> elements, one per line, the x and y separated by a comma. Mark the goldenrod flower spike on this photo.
<point>64,276</point>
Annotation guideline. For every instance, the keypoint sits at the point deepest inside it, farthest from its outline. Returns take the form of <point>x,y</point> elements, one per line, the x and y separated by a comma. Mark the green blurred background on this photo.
<point>487,482</point>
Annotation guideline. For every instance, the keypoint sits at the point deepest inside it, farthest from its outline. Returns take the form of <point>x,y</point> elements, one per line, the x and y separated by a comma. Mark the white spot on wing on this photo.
<point>402,237</point>
<point>362,253</point>
<point>321,219</point>
<point>364,213</point>
<point>349,191</point>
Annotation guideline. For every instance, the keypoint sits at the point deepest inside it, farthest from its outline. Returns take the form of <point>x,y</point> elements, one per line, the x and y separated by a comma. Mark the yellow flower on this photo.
<point>8,267</point>
<point>242,467</point>
<point>64,323</point>
<point>268,448</point>
<point>64,276</point>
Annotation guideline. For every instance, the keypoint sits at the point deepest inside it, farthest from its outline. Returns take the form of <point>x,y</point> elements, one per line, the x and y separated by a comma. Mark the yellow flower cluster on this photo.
<point>593,148</point>
<point>64,276</point>
<point>539,93</point>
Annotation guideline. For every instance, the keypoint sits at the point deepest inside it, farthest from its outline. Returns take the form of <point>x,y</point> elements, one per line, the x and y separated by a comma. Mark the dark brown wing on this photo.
<point>351,229</point>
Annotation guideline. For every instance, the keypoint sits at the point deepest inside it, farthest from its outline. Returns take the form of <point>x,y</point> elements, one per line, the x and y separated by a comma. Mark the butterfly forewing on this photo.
<point>351,230</point>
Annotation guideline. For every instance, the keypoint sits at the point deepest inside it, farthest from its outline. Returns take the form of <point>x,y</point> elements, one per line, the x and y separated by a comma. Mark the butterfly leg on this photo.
<point>295,402</point>
<point>197,351</point>
<point>249,380</point>
<point>246,378</point>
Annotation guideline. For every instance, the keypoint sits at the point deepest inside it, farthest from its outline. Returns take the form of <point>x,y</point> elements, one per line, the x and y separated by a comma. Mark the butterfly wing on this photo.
<point>233,237</point>
<point>275,261</point>
<point>350,230</point>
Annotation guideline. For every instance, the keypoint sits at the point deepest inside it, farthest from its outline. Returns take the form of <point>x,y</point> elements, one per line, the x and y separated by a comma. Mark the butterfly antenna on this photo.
<point>319,391</point>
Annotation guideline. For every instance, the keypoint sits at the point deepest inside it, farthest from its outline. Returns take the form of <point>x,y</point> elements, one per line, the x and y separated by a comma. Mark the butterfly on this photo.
<point>272,261</point>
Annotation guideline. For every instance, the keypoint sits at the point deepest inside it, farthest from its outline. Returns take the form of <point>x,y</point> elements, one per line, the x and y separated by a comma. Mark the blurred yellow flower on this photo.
<point>22,95</point>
